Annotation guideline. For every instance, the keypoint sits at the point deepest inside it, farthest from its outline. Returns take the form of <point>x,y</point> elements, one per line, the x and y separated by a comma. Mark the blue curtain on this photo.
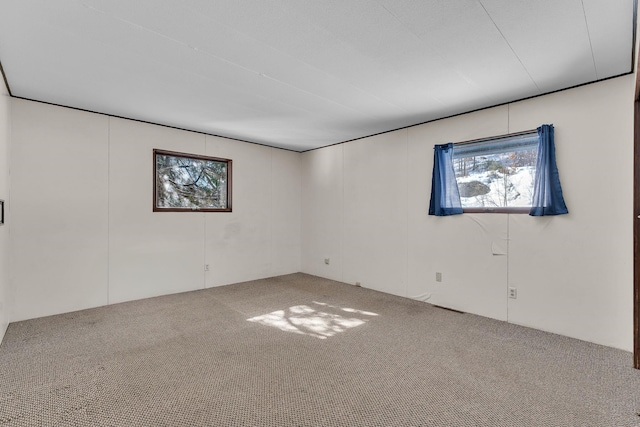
<point>547,192</point>
<point>445,198</point>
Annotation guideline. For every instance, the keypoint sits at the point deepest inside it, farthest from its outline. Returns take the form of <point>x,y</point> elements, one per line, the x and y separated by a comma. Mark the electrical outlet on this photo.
<point>438,277</point>
<point>206,267</point>
<point>513,293</point>
<point>327,261</point>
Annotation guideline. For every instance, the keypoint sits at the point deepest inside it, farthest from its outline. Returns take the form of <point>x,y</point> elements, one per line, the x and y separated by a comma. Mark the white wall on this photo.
<point>365,207</point>
<point>84,233</point>
<point>262,237</point>
<point>59,230</point>
<point>5,134</point>
<point>323,212</point>
<point>150,253</point>
<point>588,291</point>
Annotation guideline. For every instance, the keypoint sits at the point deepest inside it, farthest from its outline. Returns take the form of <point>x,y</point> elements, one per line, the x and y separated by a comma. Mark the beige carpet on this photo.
<point>298,350</point>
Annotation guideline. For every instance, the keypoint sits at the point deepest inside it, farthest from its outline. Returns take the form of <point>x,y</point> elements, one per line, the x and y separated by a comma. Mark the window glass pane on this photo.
<point>496,173</point>
<point>190,183</point>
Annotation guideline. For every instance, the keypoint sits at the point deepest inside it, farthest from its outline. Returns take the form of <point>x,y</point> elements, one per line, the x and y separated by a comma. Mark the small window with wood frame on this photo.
<point>190,183</point>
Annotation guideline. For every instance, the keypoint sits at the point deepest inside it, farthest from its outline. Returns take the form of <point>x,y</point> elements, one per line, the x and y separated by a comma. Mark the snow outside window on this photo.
<point>496,174</point>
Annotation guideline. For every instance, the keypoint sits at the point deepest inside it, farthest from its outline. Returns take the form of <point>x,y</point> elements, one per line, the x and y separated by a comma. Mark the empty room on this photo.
<point>319,213</point>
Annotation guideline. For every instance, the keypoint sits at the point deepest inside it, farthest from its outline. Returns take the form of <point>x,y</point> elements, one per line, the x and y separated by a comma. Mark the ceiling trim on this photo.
<point>341,142</point>
<point>150,123</point>
<point>473,111</point>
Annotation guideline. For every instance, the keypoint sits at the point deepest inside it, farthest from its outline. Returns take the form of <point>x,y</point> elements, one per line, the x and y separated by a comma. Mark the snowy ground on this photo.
<point>518,186</point>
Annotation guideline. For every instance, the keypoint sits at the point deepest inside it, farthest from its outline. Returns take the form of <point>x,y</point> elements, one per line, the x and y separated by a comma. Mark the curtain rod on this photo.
<point>491,138</point>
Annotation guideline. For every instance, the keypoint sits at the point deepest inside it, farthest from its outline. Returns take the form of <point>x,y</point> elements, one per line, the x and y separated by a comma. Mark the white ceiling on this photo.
<point>301,74</point>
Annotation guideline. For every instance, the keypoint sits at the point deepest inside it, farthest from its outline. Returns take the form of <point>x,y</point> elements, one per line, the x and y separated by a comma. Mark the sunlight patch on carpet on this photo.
<point>302,319</point>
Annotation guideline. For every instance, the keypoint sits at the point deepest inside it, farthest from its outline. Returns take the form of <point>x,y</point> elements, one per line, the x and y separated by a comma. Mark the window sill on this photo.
<point>497,210</point>
<point>191,210</point>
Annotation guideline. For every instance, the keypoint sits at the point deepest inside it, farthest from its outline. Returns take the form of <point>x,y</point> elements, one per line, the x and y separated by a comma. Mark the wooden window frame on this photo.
<point>228,162</point>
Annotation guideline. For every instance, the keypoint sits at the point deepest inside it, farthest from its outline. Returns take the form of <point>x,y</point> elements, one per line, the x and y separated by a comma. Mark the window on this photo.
<point>497,174</point>
<point>187,182</point>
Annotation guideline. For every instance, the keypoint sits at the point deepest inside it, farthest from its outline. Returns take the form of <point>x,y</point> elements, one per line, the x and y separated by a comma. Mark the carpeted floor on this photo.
<point>299,350</point>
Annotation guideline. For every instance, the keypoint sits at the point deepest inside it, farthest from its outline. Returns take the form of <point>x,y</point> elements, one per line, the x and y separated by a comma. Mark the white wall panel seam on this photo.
<point>204,250</point>
<point>10,299</point>
<point>406,257</point>
<point>300,214</point>
<point>108,207</point>
<point>272,183</point>
<point>506,291</point>
<point>342,209</point>
<point>206,271</point>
